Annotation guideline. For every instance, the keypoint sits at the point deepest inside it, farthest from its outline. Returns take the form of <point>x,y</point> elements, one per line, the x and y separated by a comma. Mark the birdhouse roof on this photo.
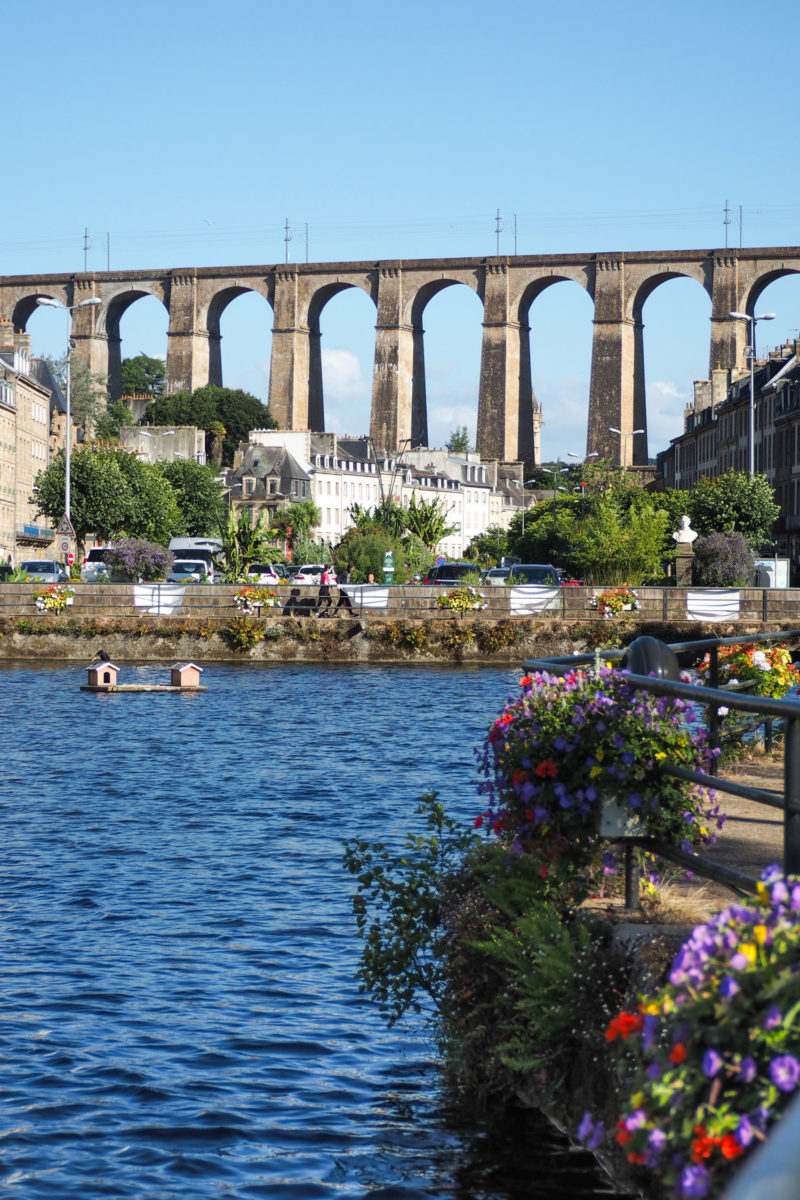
<point>99,666</point>
<point>183,666</point>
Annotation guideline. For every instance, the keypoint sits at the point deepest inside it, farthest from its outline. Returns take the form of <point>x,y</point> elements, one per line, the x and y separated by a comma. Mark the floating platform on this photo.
<point>141,687</point>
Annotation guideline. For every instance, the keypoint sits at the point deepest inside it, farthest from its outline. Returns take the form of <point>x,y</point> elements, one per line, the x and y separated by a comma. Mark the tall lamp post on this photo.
<point>582,485</point>
<point>69,310</point>
<point>752,354</point>
<point>623,437</point>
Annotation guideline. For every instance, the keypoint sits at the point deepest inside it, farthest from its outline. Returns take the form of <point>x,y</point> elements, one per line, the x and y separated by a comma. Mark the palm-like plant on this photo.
<point>242,544</point>
<point>428,520</point>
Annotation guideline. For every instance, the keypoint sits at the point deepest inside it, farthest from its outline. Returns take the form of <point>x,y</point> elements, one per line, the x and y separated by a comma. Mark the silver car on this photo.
<point>45,570</point>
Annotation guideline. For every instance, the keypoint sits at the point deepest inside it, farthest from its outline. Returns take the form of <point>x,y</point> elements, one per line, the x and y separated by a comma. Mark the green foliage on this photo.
<point>611,546</point>
<point>301,517</point>
<point>398,910</point>
<point>428,520</point>
<point>401,633</point>
<point>237,411</point>
<point>242,544</point>
<point>242,633</point>
<point>489,547</point>
<point>88,389</point>
<point>199,496</point>
<point>109,423</point>
<point>113,494</point>
<point>458,442</point>
<point>143,376</point>
<point>735,503</point>
<point>364,551</point>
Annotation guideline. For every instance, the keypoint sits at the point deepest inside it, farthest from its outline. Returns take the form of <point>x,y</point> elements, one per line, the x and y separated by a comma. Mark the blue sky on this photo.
<point>189,132</point>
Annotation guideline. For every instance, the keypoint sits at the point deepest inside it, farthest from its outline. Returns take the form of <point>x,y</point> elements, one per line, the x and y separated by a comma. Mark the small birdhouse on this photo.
<point>102,674</point>
<point>186,675</point>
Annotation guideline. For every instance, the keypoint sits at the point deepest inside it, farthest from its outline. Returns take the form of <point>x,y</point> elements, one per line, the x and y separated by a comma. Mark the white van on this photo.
<point>196,549</point>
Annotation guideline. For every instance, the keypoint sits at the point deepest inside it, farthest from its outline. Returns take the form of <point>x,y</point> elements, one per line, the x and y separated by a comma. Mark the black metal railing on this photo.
<point>713,697</point>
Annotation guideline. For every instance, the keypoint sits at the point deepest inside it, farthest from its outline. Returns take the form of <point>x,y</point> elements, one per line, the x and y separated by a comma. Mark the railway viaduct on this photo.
<point>618,284</point>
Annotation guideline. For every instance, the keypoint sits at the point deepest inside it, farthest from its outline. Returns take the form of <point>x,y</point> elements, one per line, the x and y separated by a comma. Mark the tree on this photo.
<point>112,494</point>
<point>199,495</point>
<point>109,423</point>
<point>723,560</point>
<point>428,520</point>
<point>734,503</point>
<point>300,517</point>
<point>489,547</point>
<point>364,551</point>
<point>612,545</point>
<point>242,544</point>
<point>211,406</point>
<point>88,390</point>
<point>458,442</point>
<point>143,376</point>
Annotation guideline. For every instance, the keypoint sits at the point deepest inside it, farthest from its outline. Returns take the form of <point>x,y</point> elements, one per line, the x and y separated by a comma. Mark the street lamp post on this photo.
<point>68,309</point>
<point>582,485</point>
<point>752,348</point>
<point>632,434</point>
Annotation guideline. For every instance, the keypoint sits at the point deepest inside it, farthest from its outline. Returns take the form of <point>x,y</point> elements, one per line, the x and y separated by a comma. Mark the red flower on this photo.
<point>730,1146</point>
<point>506,718</point>
<point>547,769</point>
<point>638,1159</point>
<point>526,681</point>
<point>703,1144</point>
<point>479,822</point>
<point>678,1053</point>
<point>623,1025</point>
<point>623,1135</point>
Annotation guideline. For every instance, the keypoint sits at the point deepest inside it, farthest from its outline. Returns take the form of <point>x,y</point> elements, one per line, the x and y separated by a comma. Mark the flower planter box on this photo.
<point>619,820</point>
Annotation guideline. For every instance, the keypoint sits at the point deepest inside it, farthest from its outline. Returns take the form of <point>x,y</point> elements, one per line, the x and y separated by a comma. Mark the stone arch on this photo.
<point>110,315</point>
<point>423,296</point>
<point>530,407</point>
<point>26,306</point>
<point>641,291</point>
<point>762,282</point>
<point>318,299</point>
<point>213,316</point>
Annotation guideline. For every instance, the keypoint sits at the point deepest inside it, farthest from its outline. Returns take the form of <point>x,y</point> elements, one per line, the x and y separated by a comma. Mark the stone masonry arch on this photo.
<point>618,283</point>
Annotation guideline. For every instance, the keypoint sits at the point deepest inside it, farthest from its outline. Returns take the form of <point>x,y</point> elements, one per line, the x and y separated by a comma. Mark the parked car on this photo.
<point>310,573</point>
<point>266,573</point>
<point>497,576</point>
<point>45,570</point>
<point>94,567</point>
<point>533,573</point>
<point>452,573</point>
<point>190,572</point>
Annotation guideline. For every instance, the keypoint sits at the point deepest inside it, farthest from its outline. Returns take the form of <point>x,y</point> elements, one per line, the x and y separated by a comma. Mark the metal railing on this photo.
<point>713,698</point>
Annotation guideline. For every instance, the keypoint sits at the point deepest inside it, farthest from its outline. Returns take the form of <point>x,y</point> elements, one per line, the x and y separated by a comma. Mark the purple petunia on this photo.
<point>694,1182</point>
<point>784,1071</point>
<point>712,1063</point>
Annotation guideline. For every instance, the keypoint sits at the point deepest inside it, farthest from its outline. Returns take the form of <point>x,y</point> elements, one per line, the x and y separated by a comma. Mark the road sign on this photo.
<point>64,545</point>
<point>70,559</point>
<point>65,526</point>
<point>441,560</point>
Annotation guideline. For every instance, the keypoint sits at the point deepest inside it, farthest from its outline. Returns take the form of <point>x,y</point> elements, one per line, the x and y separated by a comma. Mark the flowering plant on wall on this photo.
<point>566,744</point>
<point>461,599</point>
<point>54,598</point>
<point>770,667</point>
<point>250,598</point>
<point>615,600</point>
<point>714,1058</point>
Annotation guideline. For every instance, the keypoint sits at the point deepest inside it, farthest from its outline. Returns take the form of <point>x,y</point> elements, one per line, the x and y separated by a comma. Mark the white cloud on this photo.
<point>346,390</point>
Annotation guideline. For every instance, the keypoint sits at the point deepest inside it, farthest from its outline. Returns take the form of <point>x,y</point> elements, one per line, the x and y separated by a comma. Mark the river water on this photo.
<point>179,1013</point>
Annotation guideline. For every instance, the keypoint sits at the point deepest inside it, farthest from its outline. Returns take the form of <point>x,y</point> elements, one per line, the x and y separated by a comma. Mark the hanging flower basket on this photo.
<point>461,599</point>
<point>54,598</point>
<point>615,601</point>
<point>251,598</point>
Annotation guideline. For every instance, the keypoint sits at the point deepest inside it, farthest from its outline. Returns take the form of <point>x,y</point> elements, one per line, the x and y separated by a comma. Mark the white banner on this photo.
<point>713,604</point>
<point>367,595</point>
<point>158,598</point>
<point>533,598</point>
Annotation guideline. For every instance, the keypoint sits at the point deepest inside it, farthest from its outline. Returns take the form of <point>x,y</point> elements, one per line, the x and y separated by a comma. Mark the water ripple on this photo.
<point>179,1013</point>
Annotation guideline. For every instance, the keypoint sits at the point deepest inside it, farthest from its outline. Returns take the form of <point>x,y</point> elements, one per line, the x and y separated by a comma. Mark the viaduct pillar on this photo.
<point>728,336</point>
<point>187,347</point>
<point>91,345</point>
<point>616,390</point>
<point>398,397</point>
<point>290,363</point>
<point>505,427</point>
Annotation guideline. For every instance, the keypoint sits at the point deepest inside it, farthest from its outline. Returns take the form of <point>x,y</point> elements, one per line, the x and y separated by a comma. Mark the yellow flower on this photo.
<point>760,933</point>
<point>763,894</point>
<point>749,951</point>
<point>594,771</point>
<point>661,754</point>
